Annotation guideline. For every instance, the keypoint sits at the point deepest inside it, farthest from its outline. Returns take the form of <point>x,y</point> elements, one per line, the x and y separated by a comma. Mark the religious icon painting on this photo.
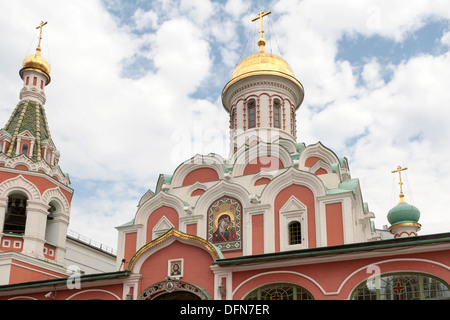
<point>175,268</point>
<point>224,224</point>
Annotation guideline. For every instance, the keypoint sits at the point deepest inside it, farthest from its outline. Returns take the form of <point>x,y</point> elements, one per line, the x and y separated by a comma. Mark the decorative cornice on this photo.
<point>39,168</point>
<point>257,84</point>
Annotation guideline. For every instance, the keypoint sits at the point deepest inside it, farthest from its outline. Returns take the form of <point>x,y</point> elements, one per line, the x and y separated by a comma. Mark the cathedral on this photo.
<point>274,220</point>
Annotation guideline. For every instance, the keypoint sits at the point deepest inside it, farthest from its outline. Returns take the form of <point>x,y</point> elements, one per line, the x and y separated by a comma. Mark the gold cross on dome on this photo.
<point>40,33</point>
<point>399,170</point>
<point>261,14</point>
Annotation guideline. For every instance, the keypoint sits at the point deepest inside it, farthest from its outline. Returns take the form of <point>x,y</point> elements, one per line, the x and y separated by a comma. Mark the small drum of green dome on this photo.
<point>403,212</point>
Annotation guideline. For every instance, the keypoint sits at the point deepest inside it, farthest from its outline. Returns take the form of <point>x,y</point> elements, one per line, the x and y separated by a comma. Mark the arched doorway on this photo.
<point>172,289</point>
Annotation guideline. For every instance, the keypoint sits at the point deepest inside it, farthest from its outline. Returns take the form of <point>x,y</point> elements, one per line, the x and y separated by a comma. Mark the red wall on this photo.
<point>265,163</point>
<point>337,280</point>
<point>130,247</point>
<point>257,234</point>
<point>170,213</point>
<point>200,175</point>
<point>24,272</point>
<point>335,227</point>
<point>197,266</point>
<point>42,183</point>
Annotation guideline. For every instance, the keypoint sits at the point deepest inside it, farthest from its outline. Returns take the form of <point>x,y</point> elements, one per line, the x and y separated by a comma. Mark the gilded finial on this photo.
<point>399,170</point>
<point>261,40</point>
<point>38,49</point>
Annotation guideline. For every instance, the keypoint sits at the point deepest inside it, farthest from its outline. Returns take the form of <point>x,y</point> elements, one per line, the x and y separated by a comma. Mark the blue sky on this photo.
<point>136,90</point>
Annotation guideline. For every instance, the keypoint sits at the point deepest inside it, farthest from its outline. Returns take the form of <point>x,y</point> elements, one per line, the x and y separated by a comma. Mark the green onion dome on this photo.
<point>403,212</point>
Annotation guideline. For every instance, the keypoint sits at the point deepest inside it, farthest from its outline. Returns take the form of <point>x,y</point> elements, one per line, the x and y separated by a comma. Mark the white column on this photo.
<point>3,207</point>
<point>34,236</point>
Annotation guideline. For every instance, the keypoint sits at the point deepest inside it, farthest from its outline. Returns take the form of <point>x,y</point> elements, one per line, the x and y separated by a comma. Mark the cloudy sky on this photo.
<point>136,90</point>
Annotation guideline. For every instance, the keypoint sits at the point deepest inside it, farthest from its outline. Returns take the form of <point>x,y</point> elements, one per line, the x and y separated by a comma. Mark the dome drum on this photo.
<point>267,65</point>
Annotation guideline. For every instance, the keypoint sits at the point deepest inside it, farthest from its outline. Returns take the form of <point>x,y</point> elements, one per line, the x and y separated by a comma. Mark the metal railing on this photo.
<point>89,241</point>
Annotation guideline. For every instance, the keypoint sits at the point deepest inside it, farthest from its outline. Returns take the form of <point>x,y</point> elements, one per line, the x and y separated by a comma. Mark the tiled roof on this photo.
<point>28,115</point>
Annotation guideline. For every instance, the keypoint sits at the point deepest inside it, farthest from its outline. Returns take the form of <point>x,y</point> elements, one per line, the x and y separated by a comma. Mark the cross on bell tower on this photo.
<point>261,40</point>
<point>399,170</point>
<point>40,34</point>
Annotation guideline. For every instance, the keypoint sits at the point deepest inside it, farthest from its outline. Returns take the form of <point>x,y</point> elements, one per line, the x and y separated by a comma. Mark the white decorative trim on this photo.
<point>290,177</point>
<point>161,227</point>
<point>196,186</point>
<point>197,162</point>
<point>262,149</point>
<point>320,165</point>
<point>19,183</point>
<point>93,290</point>
<point>261,175</point>
<point>293,210</point>
<point>34,167</point>
<point>57,195</point>
<point>320,151</point>
<point>146,209</point>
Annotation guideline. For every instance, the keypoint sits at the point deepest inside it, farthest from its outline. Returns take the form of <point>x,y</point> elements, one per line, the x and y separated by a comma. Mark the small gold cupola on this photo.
<point>36,62</point>
<point>35,74</point>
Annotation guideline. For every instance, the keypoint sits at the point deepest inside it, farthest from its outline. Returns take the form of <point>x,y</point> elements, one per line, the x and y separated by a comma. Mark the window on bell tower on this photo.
<point>276,113</point>
<point>24,148</point>
<point>251,113</point>
<point>293,121</point>
<point>232,117</point>
<point>15,216</point>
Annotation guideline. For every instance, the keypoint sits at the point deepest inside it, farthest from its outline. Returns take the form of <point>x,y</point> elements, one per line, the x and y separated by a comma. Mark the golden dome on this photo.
<point>38,63</point>
<point>263,63</point>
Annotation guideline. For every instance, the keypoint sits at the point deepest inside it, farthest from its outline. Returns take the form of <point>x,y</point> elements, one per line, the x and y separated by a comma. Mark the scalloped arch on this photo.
<point>19,183</point>
<point>259,150</point>
<point>56,194</point>
<point>157,201</point>
<point>197,162</point>
<point>320,151</point>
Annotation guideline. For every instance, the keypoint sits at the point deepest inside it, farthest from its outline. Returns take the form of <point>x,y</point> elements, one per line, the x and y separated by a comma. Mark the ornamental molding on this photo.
<point>242,87</point>
<point>319,164</point>
<point>320,151</point>
<point>159,200</point>
<point>293,205</point>
<point>292,176</point>
<point>222,189</point>
<point>193,164</point>
<point>262,149</point>
<point>171,285</point>
<point>39,167</point>
<point>19,183</point>
<point>55,194</point>
<point>197,185</point>
<point>173,234</point>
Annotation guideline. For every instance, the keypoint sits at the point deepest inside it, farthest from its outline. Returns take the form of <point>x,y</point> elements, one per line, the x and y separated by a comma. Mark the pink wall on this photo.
<point>197,266</point>
<point>306,196</point>
<point>170,213</point>
<point>200,175</point>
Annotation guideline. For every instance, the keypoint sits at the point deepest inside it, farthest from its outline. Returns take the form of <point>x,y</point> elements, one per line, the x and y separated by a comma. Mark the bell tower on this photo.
<point>35,194</point>
<point>262,97</point>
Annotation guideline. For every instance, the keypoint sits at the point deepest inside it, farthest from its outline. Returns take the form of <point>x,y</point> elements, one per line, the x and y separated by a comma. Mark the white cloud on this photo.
<point>445,40</point>
<point>145,19</point>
